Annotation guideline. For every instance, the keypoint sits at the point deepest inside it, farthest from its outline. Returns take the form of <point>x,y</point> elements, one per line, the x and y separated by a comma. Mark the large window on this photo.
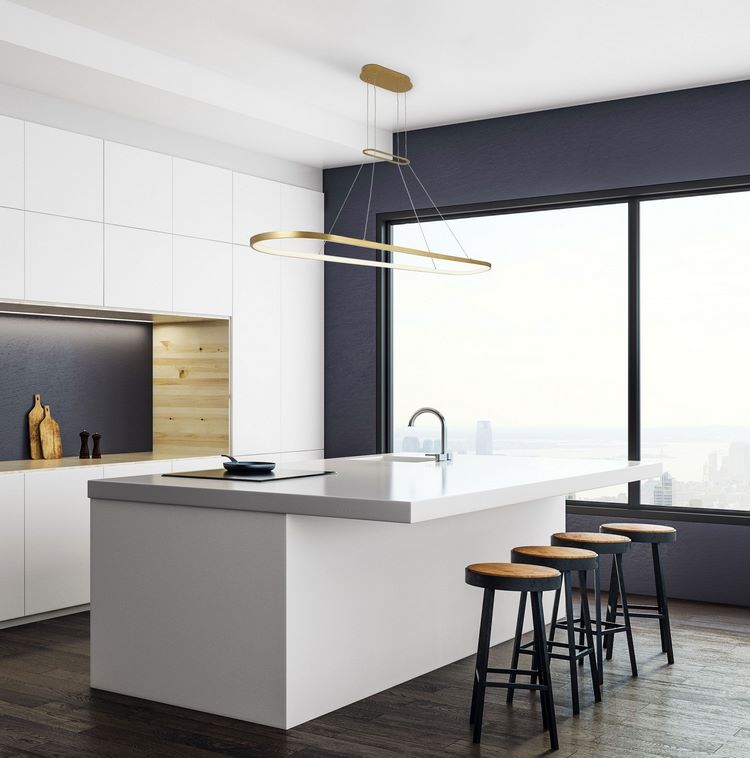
<point>541,355</point>
<point>529,359</point>
<point>695,354</point>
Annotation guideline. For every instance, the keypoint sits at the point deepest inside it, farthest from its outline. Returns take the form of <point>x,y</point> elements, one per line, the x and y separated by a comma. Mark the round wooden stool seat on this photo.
<point>642,532</point>
<point>556,557</point>
<point>600,543</point>
<point>513,576</point>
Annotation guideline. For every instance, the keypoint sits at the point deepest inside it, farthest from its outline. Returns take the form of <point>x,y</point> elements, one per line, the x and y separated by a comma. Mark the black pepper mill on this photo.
<point>96,452</point>
<point>84,445</point>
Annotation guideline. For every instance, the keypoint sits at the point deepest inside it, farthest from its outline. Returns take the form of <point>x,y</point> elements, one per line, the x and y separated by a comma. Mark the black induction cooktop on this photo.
<point>230,476</point>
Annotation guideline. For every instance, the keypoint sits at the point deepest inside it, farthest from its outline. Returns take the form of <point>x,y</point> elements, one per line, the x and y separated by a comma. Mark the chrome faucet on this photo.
<point>442,455</point>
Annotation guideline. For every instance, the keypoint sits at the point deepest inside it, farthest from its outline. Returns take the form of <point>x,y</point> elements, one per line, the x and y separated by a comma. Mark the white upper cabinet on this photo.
<point>64,173</point>
<point>11,546</point>
<point>256,207</point>
<point>202,276</point>
<point>137,188</point>
<point>64,260</point>
<point>202,201</point>
<point>301,327</point>
<point>256,365</point>
<point>137,269</point>
<point>11,162</point>
<point>11,254</point>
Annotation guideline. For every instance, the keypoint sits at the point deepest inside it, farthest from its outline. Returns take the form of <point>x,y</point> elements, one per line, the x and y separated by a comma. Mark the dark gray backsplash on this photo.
<point>95,375</point>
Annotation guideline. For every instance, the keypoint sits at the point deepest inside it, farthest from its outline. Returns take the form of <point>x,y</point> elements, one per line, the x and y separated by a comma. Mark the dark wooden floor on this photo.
<point>699,706</point>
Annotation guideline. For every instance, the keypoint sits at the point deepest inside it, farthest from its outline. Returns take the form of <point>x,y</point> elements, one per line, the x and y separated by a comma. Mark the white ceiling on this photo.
<point>280,76</point>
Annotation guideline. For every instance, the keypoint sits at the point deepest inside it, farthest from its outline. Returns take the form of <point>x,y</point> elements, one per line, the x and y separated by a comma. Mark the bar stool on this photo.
<point>566,560</point>
<point>655,535</point>
<point>514,578</point>
<point>604,544</point>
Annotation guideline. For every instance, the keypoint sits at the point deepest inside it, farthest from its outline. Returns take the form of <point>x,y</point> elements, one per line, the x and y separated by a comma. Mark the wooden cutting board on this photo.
<point>49,433</point>
<point>36,414</point>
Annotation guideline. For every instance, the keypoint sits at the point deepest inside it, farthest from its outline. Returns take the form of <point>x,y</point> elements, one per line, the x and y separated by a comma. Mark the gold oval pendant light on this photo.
<point>398,83</point>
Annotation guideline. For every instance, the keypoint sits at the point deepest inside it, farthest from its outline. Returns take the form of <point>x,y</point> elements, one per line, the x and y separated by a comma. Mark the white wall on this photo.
<point>92,222</point>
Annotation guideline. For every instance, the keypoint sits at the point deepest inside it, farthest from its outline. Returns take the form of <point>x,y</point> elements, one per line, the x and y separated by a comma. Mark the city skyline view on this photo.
<point>535,351</point>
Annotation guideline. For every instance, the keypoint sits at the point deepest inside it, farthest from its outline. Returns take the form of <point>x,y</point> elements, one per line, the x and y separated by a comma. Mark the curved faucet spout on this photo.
<point>443,455</point>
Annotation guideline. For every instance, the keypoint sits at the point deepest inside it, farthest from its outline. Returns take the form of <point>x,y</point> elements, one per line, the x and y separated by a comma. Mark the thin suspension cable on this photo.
<point>416,215</point>
<point>369,200</point>
<point>398,133</point>
<point>349,192</point>
<point>406,132</point>
<point>442,218</point>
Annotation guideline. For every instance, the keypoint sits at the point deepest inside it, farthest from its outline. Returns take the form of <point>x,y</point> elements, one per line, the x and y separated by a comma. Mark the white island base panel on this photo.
<point>278,619</point>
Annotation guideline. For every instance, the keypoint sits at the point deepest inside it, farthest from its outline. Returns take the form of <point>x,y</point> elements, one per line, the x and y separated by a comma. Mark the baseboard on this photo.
<point>44,616</point>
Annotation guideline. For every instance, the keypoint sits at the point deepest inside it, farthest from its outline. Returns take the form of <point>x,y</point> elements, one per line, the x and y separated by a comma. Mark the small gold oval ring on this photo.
<point>382,155</point>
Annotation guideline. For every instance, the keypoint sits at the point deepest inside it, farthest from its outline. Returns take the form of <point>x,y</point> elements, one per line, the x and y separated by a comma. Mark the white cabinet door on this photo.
<point>302,455</point>
<point>140,468</point>
<point>57,538</point>
<point>11,162</point>
<point>64,173</point>
<point>256,206</point>
<point>11,254</point>
<point>11,546</point>
<point>64,260</point>
<point>301,328</point>
<point>137,269</point>
<point>202,276</point>
<point>202,201</point>
<point>197,464</point>
<point>256,362</point>
<point>137,187</point>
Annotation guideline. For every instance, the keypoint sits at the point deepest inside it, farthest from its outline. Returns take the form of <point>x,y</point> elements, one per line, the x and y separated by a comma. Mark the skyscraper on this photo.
<point>483,441</point>
<point>663,490</point>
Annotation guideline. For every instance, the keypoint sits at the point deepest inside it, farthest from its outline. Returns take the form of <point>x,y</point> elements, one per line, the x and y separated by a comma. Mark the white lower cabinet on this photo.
<point>114,470</point>
<point>197,464</point>
<point>57,538</point>
<point>11,546</point>
<point>302,455</point>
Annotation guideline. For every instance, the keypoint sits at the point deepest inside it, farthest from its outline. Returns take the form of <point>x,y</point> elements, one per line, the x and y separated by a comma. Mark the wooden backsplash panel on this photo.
<point>191,386</point>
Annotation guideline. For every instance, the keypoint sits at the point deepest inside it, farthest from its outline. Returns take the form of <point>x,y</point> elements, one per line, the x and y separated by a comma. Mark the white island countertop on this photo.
<point>387,488</point>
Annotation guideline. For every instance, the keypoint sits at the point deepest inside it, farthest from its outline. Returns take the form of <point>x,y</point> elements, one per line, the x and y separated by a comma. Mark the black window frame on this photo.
<point>632,197</point>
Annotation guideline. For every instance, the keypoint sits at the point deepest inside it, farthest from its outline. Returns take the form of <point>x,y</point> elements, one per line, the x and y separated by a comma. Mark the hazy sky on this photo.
<point>541,340</point>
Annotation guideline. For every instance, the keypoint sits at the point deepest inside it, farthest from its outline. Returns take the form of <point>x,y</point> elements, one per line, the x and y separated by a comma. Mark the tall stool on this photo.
<point>604,544</point>
<point>655,535</point>
<point>514,578</point>
<point>566,560</point>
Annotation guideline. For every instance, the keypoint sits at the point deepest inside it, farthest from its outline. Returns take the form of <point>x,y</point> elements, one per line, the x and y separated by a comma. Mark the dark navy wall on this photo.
<point>689,135</point>
<point>94,375</point>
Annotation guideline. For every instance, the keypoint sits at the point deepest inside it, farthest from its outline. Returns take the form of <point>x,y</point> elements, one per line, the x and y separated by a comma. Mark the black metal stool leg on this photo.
<point>539,640</point>
<point>625,614</point>
<point>662,603</point>
<point>483,656</point>
<point>611,608</point>
<point>568,582</point>
<point>586,623</point>
<point>516,644</point>
<point>598,618</point>
<point>555,612</point>
<point>544,673</point>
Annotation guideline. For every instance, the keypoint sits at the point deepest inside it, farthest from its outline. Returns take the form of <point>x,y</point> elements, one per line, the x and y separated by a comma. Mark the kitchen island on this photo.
<point>276,602</point>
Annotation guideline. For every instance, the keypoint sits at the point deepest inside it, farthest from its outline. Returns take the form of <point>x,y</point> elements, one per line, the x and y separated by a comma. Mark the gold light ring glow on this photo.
<point>260,243</point>
<point>382,155</point>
